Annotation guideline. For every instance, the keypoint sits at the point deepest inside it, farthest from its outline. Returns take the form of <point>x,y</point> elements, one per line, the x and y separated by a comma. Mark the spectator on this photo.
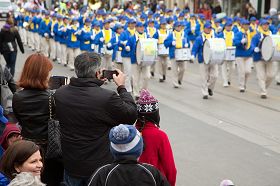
<point>31,108</point>
<point>186,7</point>
<point>206,11</point>
<point>251,11</point>
<point>9,38</point>
<point>22,156</point>
<point>157,150</point>
<point>10,135</point>
<point>3,121</point>
<point>87,119</point>
<point>26,179</point>
<point>126,147</point>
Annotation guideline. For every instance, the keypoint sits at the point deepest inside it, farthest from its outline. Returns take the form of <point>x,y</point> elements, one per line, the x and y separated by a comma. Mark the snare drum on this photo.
<point>270,48</point>
<point>182,54</point>
<point>162,50</point>
<point>230,53</point>
<point>146,51</point>
<point>119,57</point>
<point>214,51</point>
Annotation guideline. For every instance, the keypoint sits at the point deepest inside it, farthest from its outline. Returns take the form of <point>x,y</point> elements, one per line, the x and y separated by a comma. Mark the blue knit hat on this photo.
<point>125,140</point>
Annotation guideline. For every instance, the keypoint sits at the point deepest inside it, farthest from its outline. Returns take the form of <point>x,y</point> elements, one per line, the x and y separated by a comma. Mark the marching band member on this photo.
<point>253,26</point>
<point>45,29</point>
<point>227,66</point>
<point>115,46</point>
<point>57,38</point>
<point>73,42</point>
<point>102,39</point>
<point>62,33</point>
<point>161,35</point>
<point>52,40</point>
<point>192,28</point>
<point>217,26</point>
<point>177,40</point>
<point>265,69</point>
<point>26,27</point>
<point>151,30</point>
<point>140,72</point>
<point>208,72</point>
<point>236,24</point>
<point>126,56</point>
<point>272,27</point>
<point>242,41</point>
<point>32,29</point>
<point>37,33</point>
<point>86,36</point>
<point>95,30</point>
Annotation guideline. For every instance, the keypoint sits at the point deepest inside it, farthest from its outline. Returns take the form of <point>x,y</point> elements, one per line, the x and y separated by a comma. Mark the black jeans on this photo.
<point>10,59</point>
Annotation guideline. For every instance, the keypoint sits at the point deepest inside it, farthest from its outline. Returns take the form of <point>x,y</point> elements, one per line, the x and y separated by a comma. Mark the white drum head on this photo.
<point>206,52</point>
<point>138,52</point>
<point>267,48</point>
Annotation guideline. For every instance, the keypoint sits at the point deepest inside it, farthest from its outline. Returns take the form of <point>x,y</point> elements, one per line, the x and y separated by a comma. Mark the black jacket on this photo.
<point>86,113</point>
<point>6,36</point>
<point>128,172</point>
<point>31,108</point>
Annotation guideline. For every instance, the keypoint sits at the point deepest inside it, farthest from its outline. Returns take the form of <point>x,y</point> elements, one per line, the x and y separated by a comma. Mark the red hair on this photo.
<point>35,72</point>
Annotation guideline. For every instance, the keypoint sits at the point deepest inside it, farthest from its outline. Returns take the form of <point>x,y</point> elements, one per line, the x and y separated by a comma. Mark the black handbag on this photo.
<point>54,135</point>
<point>6,93</point>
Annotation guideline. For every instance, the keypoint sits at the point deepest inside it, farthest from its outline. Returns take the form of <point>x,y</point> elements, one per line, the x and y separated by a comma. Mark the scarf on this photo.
<point>140,36</point>
<point>47,21</point>
<point>178,39</point>
<point>162,35</point>
<point>201,25</point>
<point>228,35</point>
<point>131,31</point>
<point>266,33</point>
<point>248,36</point>
<point>151,31</point>
<point>207,36</point>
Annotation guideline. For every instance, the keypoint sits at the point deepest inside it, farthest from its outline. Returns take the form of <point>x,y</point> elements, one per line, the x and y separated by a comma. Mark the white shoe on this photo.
<point>225,85</point>
<point>176,85</point>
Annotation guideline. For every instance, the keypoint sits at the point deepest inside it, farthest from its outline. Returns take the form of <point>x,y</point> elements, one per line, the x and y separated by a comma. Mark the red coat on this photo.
<point>158,152</point>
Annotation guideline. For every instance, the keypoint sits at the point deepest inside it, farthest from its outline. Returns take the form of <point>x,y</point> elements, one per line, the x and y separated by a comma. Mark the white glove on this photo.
<point>101,39</point>
<point>69,27</point>
<point>193,29</point>
<point>46,34</point>
<point>92,37</point>
<point>257,50</point>
<point>186,45</point>
<point>109,45</point>
<point>124,42</point>
<point>192,57</point>
<point>244,40</point>
<point>78,32</point>
<point>173,43</point>
<point>127,48</point>
<point>220,29</point>
<point>52,34</point>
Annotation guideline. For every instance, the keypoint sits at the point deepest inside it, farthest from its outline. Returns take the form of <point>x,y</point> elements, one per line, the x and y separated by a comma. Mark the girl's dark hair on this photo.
<point>15,156</point>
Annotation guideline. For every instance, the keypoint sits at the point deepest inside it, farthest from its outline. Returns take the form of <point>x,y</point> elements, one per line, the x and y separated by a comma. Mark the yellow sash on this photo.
<point>179,39</point>
<point>193,24</point>
<point>47,21</point>
<point>107,35</point>
<point>201,24</point>
<point>32,26</point>
<point>140,36</point>
<point>207,36</point>
<point>265,32</point>
<point>228,37</point>
<point>73,37</point>
<point>162,36</point>
<point>248,36</point>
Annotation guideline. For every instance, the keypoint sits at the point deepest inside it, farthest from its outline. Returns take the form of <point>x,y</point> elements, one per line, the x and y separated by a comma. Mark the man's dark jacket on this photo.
<point>86,113</point>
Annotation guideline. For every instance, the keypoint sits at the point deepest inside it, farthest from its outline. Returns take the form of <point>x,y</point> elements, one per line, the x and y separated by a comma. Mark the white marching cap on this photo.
<point>227,183</point>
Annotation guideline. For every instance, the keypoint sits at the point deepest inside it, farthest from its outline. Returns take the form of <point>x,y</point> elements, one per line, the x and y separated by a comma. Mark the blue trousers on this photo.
<point>10,59</point>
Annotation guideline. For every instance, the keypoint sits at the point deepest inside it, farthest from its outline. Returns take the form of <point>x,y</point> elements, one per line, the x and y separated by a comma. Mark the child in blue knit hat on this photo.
<point>126,145</point>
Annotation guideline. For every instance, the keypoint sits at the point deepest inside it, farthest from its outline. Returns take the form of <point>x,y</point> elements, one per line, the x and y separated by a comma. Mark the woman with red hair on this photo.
<point>31,108</point>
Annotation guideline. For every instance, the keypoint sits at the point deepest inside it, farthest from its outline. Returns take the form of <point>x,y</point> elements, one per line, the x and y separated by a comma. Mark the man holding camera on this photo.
<point>86,113</point>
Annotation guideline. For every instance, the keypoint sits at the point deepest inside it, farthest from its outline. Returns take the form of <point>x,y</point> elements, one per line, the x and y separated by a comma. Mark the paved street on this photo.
<point>229,136</point>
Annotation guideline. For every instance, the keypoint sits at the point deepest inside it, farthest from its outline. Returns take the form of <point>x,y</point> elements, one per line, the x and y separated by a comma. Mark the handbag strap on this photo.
<point>50,105</point>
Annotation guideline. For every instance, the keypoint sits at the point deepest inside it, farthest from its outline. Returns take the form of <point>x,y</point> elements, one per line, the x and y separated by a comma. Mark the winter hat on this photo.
<point>146,102</point>
<point>9,129</point>
<point>125,140</point>
<point>227,183</point>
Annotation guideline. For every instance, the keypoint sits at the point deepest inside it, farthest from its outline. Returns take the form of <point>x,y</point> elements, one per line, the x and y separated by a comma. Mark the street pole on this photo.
<point>259,14</point>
